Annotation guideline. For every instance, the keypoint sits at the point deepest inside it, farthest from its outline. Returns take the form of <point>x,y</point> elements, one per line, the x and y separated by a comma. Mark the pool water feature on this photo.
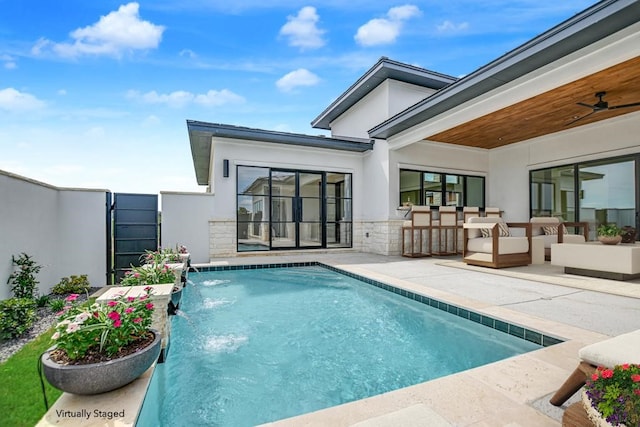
<point>258,345</point>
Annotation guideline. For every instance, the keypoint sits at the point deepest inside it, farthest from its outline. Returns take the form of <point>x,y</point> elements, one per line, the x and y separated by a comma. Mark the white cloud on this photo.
<point>450,27</point>
<point>14,100</point>
<point>299,77</point>
<point>118,32</point>
<point>181,98</point>
<point>302,29</point>
<point>8,62</point>
<point>385,30</point>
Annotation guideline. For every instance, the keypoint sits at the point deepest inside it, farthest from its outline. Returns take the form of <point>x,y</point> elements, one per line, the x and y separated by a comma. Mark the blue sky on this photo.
<point>95,94</point>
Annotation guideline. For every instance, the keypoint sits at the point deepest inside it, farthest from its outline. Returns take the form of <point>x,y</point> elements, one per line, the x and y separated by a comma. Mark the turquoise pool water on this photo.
<point>254,346</point>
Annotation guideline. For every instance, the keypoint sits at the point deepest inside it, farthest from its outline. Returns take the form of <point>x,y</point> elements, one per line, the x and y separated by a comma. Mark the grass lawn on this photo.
<point>21,400</point>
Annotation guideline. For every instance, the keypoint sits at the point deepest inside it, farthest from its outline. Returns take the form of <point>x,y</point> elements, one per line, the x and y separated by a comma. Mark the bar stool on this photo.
<point>467,212</point>
<point>420,222</point>
<point>447,222</point>
<point>492,212</point>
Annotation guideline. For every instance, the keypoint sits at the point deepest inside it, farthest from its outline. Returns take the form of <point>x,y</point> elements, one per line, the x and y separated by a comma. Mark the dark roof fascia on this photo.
<point>200,134</point>
<point>384,69</point>
<point>587,27</point>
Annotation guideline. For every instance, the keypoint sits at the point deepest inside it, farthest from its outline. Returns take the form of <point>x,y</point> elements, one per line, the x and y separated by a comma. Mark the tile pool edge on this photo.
<point>512,329</point>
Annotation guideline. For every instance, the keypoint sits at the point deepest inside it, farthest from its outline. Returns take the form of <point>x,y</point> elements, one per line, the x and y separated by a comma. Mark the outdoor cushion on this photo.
<point>622,349</point>
<point>553,230</point>
<point>506,245</point>
<point>503,230</point>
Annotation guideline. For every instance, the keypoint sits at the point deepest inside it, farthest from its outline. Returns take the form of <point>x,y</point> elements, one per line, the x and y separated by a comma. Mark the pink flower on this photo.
<point>72,297</point>
<point>635,378</point>
<point>131,299</point>
<point>136,274</point>
<point>149,306</point>
<point>96,314</point>
<point>594,376</point>
<point>112,303</point>
<point>624,366</point>
<point>148,288</point>
<point>637,392</point>
<point>55,336</point>
<point>117,323</point>
<point>129,310</point>
<point>607,373</point>
<point>114,315</point>
<point>137,320</point>
<point>72,327</point>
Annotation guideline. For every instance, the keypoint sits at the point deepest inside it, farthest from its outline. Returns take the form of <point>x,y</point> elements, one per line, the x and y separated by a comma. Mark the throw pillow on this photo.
<point>503,231</point>
<point>553,230</point>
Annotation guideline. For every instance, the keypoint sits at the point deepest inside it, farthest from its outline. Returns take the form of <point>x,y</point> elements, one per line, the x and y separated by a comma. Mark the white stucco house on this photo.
<point>550,128</point>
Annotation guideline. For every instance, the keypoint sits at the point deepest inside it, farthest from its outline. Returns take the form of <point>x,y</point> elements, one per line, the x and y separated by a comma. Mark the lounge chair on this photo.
<point>488,242</point>
<point>553,230</point>
<point>608,353</point>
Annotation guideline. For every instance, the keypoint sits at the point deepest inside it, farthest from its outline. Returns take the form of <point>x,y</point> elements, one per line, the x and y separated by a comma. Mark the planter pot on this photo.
<point>610,240</point>
<point>628,234</point>
<point>101,377</point>
<point>594,416</point>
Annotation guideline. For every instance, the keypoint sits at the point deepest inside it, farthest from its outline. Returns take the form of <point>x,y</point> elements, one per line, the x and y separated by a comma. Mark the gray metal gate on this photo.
<point>135,229</point>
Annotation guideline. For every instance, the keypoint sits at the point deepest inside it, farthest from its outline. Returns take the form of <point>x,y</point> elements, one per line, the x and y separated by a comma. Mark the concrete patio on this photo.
<point>512,392</point>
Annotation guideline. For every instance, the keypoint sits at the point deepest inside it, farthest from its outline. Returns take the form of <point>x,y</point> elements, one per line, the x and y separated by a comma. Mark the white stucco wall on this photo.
<point>386,100</point>
<point>185,221</point>
<point>64,230</point>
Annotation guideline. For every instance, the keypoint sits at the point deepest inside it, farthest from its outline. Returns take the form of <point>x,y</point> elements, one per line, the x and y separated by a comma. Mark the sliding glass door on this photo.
<point>598,192</point>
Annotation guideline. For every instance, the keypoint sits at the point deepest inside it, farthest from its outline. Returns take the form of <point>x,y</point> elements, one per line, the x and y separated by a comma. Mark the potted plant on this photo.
<point>155,274</point>
<point>609,234</point>
<point>101,347</point>
<point>612,396</point>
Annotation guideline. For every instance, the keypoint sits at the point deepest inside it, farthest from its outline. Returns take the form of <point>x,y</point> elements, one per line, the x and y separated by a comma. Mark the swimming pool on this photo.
<point>257,345</point>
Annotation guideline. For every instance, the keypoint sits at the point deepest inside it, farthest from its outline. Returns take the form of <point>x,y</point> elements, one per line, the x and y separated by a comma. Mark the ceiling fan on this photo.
<point>601,105</point>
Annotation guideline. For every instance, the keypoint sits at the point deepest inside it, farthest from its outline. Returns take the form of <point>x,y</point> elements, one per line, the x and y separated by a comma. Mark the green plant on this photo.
<point>148,274</point>
<point>615,393</point>
<point>161,256</point>
<point>42,300</point>
<point>609,230</point>
<point>72,285</point>
<point>57,305</point>
<point>102,328</point>
<point>17,315</point>
<point>23,280</point>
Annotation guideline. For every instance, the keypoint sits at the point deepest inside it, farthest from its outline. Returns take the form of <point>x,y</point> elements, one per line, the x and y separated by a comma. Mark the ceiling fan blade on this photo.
<point>579,118</point>
<point>635,104</point>
<point>584,105</point>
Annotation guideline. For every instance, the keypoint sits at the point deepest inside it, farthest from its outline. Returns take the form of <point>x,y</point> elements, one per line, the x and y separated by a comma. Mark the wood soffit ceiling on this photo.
<point>552,111</point>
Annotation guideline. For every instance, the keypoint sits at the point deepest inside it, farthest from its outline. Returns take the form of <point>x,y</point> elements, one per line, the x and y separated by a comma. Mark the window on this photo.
<point>598,192</point>
<point>441,189</point>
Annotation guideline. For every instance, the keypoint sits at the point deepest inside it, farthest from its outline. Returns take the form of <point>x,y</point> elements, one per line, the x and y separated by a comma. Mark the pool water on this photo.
<point>253,346</point>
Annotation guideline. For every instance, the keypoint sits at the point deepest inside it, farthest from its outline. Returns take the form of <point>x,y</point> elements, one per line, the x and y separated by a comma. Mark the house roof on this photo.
<point>201,134</point>
<point>587,27</point>
<point>384,69</point>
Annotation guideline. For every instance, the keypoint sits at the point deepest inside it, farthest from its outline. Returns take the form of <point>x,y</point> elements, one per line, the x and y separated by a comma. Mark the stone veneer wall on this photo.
<point>222,238</point>
<point>383,238</point>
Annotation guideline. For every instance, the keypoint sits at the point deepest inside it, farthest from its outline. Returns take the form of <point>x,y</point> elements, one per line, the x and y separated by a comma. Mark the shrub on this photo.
<point>23,280</point>
<point>57,305</point>
<point>42,300</point>
<point>17,315</point>
<point>72,285</point>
